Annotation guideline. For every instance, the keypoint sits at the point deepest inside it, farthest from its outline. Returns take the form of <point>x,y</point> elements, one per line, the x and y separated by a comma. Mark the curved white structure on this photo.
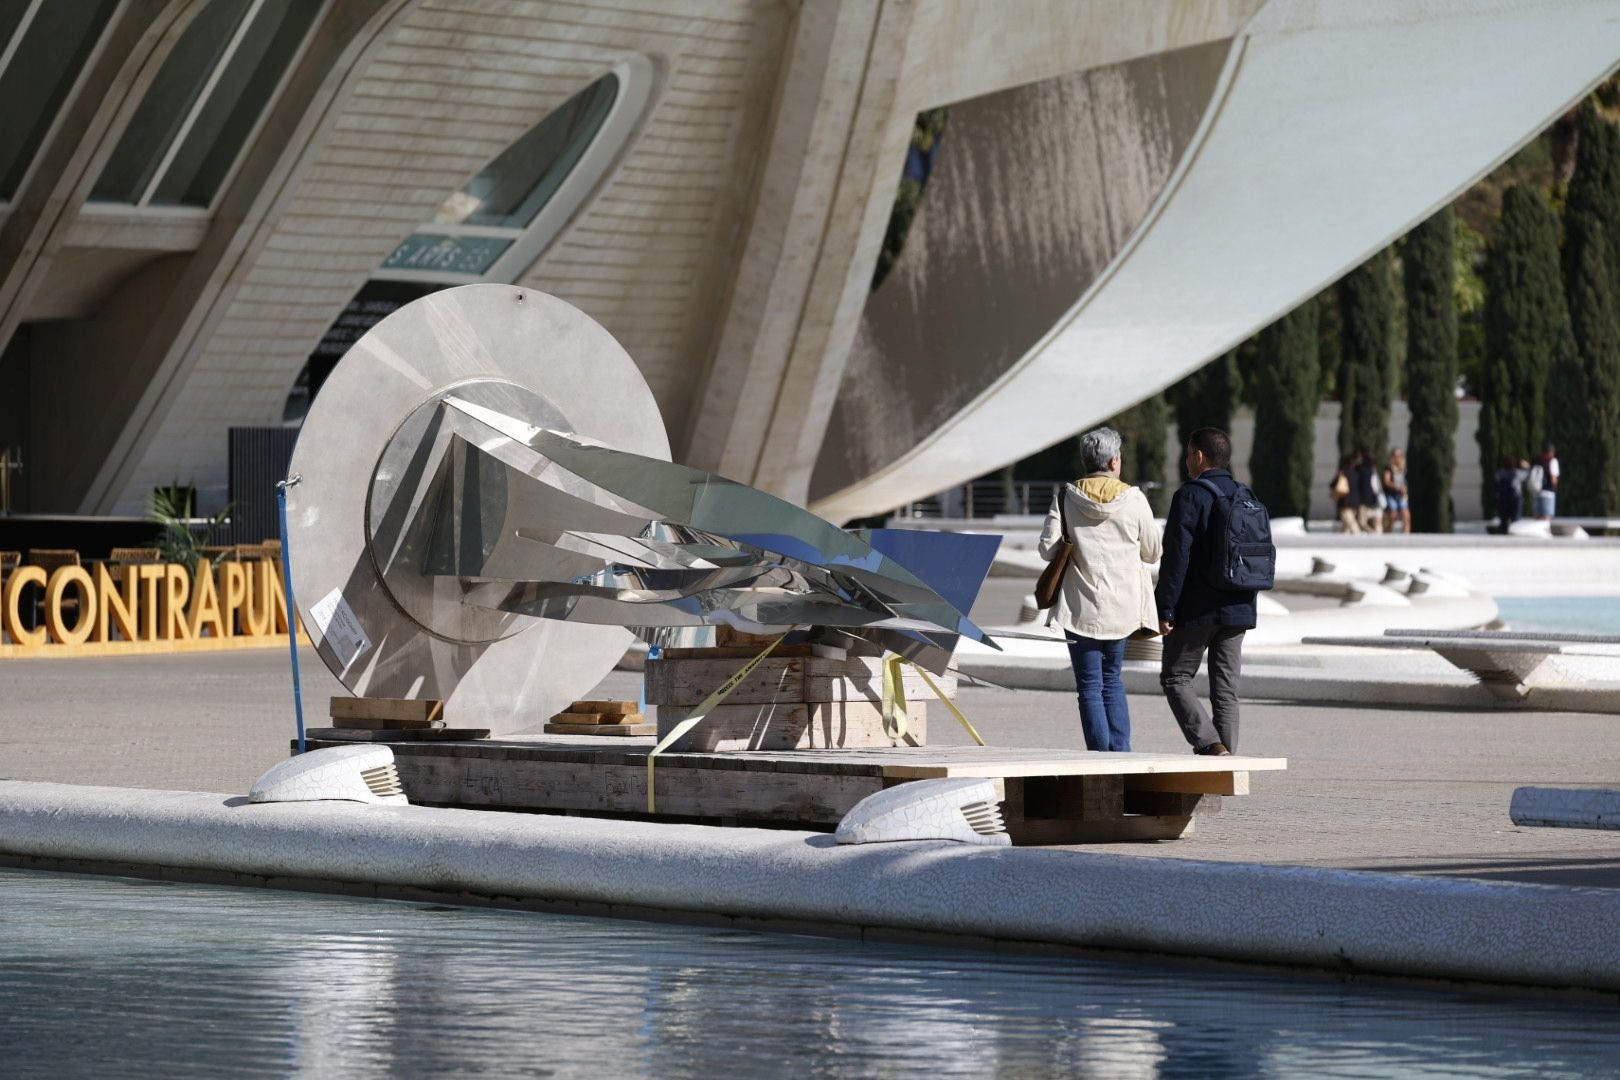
<point>1122,191</point>
<point>1335,128</point>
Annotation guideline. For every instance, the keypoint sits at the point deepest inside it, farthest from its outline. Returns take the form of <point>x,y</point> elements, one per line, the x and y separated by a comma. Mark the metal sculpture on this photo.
<point>486,508</point>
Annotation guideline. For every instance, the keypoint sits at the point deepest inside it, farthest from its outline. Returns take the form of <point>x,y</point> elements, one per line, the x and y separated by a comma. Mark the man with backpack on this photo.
<point>1217,554</point>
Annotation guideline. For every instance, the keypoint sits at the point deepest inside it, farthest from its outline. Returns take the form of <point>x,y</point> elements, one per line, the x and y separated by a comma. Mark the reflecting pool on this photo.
<point>124,978</point>
<point>1564,614</point>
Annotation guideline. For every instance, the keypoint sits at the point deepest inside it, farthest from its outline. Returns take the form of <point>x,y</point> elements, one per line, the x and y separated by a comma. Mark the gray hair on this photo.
<point>1097,449</point>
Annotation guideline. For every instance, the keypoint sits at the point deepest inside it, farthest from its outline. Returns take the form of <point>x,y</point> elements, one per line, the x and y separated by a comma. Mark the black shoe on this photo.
<point>1214,750</point>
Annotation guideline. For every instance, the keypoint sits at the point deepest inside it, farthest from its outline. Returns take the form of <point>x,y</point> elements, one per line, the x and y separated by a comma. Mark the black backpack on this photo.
<point>1242,557</point>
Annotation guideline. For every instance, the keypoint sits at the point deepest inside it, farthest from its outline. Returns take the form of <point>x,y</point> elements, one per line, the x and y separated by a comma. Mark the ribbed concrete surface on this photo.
<point>1376,923</point>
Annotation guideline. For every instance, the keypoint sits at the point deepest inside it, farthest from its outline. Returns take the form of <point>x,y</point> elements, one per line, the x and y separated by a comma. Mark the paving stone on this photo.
<point>1411,791</point>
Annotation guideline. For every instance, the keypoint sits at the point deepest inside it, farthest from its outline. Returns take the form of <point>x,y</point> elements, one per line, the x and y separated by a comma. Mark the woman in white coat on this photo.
<point>1107,592</point>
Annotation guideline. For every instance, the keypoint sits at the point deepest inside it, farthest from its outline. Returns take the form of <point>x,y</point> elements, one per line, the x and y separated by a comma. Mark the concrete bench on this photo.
<point>1510,635</point>
<point>1504,663</point>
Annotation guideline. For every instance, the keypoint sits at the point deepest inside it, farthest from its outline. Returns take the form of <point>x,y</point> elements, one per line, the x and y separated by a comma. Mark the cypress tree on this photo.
<point>1594,191</point>
<point>1526,328</point>
<point>1328,332</point>
<point>1583,393</point>
<point>1143,429</point>
<point>1366,375</point>
<point>1207,397</point>
<point>1431,369</point>
<point>1286,396</point>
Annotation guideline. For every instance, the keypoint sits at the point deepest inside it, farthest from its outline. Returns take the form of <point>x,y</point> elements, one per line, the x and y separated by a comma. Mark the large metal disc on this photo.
<point>408,639</point>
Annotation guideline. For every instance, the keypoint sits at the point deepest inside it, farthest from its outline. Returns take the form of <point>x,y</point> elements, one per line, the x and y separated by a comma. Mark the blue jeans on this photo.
<point>1105,719</point>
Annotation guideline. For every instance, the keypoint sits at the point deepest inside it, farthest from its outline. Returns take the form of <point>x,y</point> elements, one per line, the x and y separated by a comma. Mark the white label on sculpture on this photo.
<point>338,627</point>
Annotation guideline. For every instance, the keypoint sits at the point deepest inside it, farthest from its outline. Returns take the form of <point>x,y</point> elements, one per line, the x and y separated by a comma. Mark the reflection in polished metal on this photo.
<point>651,544</point>
<point>487,504</point>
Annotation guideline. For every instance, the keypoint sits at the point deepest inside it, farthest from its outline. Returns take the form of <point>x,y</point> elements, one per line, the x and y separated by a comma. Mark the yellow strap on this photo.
<point>949,704</point>
<point>894,697</point>
<point>704,708</point>
<point>894,694</point>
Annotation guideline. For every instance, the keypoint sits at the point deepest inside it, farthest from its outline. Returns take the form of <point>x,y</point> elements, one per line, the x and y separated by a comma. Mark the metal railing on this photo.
<point>989,499</point>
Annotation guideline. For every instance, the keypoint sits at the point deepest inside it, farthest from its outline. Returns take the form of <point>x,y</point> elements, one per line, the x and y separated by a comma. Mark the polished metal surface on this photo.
<point>717,552</point>
<point>349,522</point>
<point>487,506</point>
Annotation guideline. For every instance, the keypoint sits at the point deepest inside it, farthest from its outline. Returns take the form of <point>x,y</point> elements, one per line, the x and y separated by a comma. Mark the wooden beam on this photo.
<point>1071,831</point>
<point>364,708</point>
<point>1194,783</point>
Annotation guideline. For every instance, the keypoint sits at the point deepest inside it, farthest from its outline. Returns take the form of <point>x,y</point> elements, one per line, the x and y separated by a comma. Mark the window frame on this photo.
<point>144,206</point>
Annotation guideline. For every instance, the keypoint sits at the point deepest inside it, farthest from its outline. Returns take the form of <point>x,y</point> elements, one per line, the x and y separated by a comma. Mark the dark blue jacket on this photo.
<point>1185,596</point>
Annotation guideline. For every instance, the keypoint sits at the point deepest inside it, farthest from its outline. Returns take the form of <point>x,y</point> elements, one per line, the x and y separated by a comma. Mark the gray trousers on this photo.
<point>1184,650</point>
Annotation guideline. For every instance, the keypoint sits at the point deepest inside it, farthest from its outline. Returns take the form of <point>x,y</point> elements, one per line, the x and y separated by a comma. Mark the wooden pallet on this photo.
<point>390,734</point>
<point>782,680</point>
<point>612,719</point>
<point>793,726</point>
<point>596,730</point>
<point>1051,796</point>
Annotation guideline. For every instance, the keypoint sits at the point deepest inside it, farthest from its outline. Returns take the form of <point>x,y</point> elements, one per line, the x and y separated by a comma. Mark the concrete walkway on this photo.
<point>1423,792</point>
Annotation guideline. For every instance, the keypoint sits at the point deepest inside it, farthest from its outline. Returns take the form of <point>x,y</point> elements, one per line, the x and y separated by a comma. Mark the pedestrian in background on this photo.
<point>1508,487</point>
<point>1367,493</point>
<point>1543,483</point>
<point>1196,614</point>
<point>1341,492</point>
<point>1397,503</point>
<point>1107,592</point>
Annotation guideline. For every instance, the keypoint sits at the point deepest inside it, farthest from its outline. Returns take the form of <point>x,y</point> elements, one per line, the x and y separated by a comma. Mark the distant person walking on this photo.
<point>1340,490</point>
<point>1107,592</point>
<point>1397,503</point>
<point>1543,482</point>
<point>1508,485</point>
<point>1367,494</point>
<point>1199,609</point>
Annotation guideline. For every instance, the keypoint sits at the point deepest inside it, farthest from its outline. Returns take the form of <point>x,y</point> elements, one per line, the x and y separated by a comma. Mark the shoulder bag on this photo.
<point>1050,585</point>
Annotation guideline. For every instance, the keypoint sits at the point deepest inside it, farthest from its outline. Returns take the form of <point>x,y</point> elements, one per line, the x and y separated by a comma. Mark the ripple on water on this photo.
<point>109,976</point>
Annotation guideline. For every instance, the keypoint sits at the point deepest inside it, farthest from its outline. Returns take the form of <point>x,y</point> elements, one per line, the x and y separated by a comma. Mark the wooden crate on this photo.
<point>790,679</point>
<point>794,725</point>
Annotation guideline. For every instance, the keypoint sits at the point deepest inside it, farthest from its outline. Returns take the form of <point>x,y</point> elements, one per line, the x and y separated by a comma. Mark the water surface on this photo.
<point>111,977</point>
<point>1561,614</point>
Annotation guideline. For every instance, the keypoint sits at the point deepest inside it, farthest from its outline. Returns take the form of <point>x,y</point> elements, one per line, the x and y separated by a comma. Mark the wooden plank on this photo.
<point>395,734</point>
<point>622,730</point>
<point>788,726</point>
<point>1200,783</point>
<point>378,723</point>
<point>922,769</point>
<point>363,708</point>
<point>600,719</point>
<point>1035,831</point>
<point>606,708</point>
<point>732,652</point>
<point>538,784</point>
<point>1170,803</point>
<point>688,682</point>
<point>685,682</point>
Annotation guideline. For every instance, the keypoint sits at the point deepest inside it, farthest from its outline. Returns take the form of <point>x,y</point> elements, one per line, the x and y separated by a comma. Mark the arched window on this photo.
<point>204,103</point>
<point>498,222</point>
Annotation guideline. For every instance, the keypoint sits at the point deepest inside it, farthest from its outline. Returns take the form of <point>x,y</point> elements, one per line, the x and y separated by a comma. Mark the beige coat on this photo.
<point>1108,588</point>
